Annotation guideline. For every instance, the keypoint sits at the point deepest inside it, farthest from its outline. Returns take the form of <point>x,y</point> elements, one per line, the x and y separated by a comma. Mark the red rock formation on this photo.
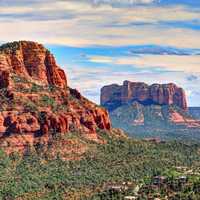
<point>32,61</point>
<point>36,102</point>
<point>112,96</point>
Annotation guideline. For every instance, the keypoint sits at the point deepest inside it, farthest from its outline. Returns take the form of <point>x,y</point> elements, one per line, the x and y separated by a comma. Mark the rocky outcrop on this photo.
<point>32,61</point>
<point>113,96</point>
<point>158,110</point>
<point>36,102</point>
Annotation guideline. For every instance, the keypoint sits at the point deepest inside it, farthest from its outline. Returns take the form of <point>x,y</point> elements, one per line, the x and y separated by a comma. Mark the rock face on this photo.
<point>32,61</point>
<point>113,96</point>
<point>36,102</point>
<point>150,111</point>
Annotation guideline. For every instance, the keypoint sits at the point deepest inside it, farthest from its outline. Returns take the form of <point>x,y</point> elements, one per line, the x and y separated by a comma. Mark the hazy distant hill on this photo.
<point>158,110</point>
<point>155,121</point>
<point>195,112</point>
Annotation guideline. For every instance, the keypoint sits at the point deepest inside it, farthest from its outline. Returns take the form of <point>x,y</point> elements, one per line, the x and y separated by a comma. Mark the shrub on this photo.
<point>3,95</point>
<point>9,47</point>
<point>36,88</point>
<point>42,117</point>
<point>52,88</point>
<point>19,79</point>
<point>47,101</point>
<point>115,162</point>
<point>30,107</point>
<point>57,108</point>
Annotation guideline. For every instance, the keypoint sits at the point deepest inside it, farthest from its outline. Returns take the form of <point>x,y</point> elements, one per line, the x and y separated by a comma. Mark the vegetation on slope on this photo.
<point>39,176</point>
<point>153,121</point>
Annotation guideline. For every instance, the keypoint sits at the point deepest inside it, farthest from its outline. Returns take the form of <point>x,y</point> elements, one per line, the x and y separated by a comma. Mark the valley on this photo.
<point>39,176</point>
<point>56,144</point>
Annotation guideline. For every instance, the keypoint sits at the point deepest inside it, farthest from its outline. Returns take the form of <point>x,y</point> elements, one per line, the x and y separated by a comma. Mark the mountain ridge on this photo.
<point>36,101</point>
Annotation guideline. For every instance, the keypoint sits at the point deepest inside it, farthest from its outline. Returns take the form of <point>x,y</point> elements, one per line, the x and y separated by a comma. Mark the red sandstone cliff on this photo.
<point>32,61</point>
<point>36,102</point>
<point>113,96</point>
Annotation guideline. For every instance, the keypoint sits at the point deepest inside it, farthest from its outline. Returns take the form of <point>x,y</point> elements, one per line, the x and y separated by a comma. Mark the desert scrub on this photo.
<point>3,95</point>
<point>36,88</point>
<point>52,88</point>
<point>23,90</point>
<point>72,98</point>
<point>50,101</point>
<point>30,107</point>
<point>19,79</point>
<point>39,177</point>
<point>47,101</point>
<point>4,99</point>
<point>42,116</point>
<point>57,108</point>
<point>9,47</point>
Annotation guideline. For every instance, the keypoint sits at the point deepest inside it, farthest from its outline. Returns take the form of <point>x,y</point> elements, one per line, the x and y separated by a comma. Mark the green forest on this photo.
<point>37,175</point>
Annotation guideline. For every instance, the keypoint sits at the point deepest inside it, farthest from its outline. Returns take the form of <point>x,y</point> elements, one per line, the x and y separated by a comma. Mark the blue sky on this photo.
<point>100,42</point>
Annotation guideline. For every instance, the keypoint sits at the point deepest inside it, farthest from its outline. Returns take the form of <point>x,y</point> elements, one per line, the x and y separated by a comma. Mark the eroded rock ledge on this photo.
<point>113,96</point>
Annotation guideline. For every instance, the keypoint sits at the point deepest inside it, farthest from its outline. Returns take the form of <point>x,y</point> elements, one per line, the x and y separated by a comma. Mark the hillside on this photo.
<point>164,122</point>
<point>37,103</point>
<point>120,161</point>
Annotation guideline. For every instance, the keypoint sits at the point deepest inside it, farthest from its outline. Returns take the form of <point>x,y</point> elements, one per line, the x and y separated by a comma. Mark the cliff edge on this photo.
<point>36,102</point>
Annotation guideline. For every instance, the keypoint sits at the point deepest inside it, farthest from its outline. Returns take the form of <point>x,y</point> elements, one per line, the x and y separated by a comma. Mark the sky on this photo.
<point>100,42</point>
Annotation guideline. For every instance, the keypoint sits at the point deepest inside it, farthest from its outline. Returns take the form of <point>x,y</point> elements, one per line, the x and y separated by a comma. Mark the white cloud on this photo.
<point>120,2</point>
<point>184,63</point>
<point>103,25</point>
<point>100,59</point>
<point>165,62</point>
<point>71,33</point>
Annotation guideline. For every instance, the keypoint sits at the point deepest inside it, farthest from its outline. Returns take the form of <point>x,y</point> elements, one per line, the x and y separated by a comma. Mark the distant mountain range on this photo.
<point>195,112</point>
